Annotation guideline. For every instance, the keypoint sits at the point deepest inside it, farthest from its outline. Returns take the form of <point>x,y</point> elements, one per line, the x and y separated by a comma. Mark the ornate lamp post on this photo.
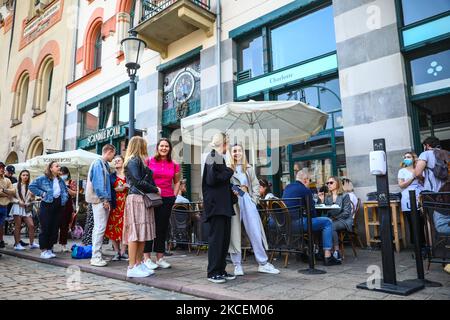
<point>133,49</point>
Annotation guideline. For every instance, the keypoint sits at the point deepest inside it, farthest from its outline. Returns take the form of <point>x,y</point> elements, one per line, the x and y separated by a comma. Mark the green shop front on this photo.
<point>104,119</point>
<point>424,32</point>
<point>290,54</point>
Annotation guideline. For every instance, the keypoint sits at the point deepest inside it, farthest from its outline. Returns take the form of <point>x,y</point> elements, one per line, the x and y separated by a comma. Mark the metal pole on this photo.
<point>415,225</point>
<point>131,106</point>
<point>311,269</point>
<point>417,244</point>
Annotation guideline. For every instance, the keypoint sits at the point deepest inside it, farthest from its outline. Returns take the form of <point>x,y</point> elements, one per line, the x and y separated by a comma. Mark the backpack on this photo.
<point>81,252</point>
<point>440,169</point>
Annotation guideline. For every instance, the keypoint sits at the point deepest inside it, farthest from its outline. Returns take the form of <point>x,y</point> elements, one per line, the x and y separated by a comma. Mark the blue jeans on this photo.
<point>323,224</point>
<point>441,223</point>
<point>3,214</point>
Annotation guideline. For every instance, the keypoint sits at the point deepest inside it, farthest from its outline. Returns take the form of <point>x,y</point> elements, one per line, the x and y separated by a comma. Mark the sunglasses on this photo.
<point>329,182</point>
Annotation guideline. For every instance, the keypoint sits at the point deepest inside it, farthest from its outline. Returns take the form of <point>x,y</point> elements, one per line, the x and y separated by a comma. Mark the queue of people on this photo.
<point>231,191</point>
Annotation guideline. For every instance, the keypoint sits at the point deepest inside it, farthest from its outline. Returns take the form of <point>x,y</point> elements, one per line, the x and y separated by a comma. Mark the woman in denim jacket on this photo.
<point>53,191</point>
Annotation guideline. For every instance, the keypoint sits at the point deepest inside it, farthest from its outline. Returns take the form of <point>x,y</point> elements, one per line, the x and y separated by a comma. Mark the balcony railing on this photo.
<point>150,8</point>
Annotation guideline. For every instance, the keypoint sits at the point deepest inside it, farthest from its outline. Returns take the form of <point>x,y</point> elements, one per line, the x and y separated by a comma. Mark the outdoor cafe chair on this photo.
<point>180,225</point>
<point>439,243</point>
<point>351,236</point>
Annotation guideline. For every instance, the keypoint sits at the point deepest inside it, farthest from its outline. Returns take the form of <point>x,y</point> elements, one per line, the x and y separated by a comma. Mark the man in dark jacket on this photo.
<point>218,208</point>
<point>299,189</point>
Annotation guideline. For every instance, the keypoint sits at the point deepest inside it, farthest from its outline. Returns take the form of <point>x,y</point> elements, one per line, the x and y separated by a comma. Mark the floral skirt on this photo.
<point>139,222</point>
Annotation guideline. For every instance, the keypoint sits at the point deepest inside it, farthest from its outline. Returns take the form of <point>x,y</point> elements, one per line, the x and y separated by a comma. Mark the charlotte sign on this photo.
<point>288,76</point>
<point>103,135</point>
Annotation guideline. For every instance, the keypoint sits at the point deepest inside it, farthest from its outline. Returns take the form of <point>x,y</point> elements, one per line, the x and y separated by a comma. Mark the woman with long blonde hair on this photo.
<point>246,211</point>
<point>342,216</point>
<point>139,221</point>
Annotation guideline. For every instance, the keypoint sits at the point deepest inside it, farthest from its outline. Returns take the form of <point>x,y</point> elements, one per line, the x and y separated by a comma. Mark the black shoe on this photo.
<point>331,261</point>
<point>228,276</point>
<point>2,244</point>
<point>168,254</point>
<point>24,244</point>
<point>217,279</point>
<point>337,255</point>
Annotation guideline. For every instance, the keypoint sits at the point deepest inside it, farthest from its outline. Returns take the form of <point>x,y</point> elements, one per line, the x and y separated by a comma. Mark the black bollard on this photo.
<point>311,269</point>
<point>417,249</point>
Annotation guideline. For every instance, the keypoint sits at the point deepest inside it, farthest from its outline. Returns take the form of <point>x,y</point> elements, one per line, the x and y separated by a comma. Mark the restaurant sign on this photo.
<point>103,135</point>
<point>287,76</point>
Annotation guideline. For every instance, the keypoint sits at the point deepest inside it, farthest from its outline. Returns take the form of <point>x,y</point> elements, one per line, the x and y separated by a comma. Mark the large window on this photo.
<point>323,154</point>
<point>97,50</point>
<point>107,113</point>
<point>304,38</point>
<point>323,95</point>
<point>431,72</point>
<point>20,99</point>
<point>416,10</point>
<point>251,55</point>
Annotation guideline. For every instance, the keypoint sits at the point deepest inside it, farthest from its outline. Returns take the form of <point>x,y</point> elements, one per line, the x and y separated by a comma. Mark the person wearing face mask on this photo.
<point>407,181</point>
<point>69,208</point>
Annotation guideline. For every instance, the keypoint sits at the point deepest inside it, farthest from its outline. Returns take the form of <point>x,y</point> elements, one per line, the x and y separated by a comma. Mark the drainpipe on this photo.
<point>72,76</point>
<point>219,51</point>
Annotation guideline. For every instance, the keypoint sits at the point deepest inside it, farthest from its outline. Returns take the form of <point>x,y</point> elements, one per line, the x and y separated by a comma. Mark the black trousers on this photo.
<point>162,218</point>
<point>49,219</point>
<point>218,243</point>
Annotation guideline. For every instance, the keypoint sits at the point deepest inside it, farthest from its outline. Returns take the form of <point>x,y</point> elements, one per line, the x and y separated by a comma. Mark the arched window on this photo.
<point>12,158</point>
<point>20,99</point>
<point>43,86</point>
<point>97,49</point>
<point>36,148</point>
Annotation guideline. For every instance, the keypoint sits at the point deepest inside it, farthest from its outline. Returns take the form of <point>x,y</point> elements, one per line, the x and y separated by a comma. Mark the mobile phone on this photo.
<point>238,190</point>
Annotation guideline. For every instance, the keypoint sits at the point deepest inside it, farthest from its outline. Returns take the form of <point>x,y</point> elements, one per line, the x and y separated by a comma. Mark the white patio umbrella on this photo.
<point>291,121</point>
<point>78,160</point>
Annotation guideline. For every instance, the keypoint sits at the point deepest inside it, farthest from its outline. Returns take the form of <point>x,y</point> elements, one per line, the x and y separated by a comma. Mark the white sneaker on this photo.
<point>150,265</point>
<point>52,255</point>
<point>19,247</point>
<point>268,268</point>
<point>64,248</point>
<point>34,246</point>
<point>163,264</point>
<point>98,262</point>
<point>144,268</point>
<point>45,255</point>
<point>238,271</point>
<point>136,272</point>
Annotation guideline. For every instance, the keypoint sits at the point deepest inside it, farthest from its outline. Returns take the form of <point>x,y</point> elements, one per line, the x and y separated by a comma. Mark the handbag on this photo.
<point>151,200</point>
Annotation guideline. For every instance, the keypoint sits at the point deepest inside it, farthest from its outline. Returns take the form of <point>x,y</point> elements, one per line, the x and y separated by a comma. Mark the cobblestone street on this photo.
<point>24,280</point>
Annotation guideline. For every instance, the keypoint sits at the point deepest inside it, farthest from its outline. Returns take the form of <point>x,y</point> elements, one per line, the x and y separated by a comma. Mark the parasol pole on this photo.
<point>78,188</point>
<point>252,148</point>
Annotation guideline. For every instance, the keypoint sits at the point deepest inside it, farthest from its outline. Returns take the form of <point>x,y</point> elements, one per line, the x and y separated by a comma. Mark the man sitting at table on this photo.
<point>299,189</point>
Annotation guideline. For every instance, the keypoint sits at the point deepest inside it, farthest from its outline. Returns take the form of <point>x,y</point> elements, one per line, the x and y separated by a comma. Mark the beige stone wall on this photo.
<point>56,41</point>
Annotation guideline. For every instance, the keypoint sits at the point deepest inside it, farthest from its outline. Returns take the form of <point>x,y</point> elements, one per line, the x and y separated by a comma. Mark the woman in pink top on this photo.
<point>166,174</point>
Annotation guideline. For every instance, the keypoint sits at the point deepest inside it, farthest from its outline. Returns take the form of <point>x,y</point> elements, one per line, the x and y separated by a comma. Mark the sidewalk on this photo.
<point>188,276</point>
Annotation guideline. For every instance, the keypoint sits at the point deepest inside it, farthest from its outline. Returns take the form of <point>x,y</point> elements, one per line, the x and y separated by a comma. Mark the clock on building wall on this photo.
<point>184,86</point>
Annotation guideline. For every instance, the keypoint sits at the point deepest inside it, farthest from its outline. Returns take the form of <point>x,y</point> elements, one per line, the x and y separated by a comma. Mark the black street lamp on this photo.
<point>133,49</point>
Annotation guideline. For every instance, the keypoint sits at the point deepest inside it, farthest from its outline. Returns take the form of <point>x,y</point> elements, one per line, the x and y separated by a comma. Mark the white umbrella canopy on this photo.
<point>269,123</point>
<point>26,166</point>
<point>78,160</point>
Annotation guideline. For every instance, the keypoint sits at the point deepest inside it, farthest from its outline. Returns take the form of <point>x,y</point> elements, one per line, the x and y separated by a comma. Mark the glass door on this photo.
<point>433,118</point>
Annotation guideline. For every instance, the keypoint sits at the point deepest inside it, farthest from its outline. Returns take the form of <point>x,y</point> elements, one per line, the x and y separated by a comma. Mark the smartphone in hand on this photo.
<point>238,190</point>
